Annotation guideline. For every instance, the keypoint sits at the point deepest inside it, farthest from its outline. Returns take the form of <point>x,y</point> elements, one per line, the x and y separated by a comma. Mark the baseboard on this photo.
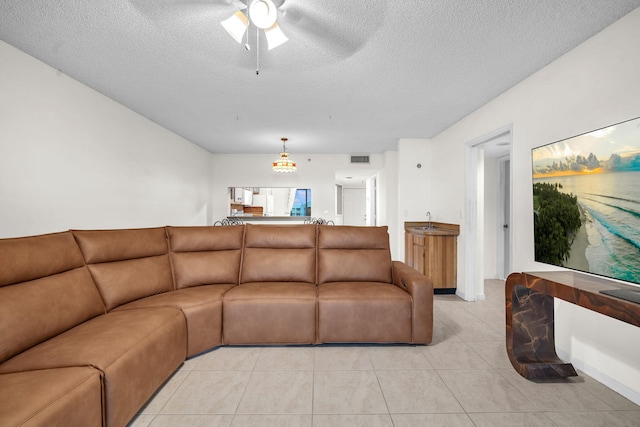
<point>444,291</point>
<point>594,373</point>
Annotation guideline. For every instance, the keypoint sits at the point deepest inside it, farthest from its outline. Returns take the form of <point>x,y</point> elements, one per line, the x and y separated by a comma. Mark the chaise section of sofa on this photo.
<point>135,350</point>
<point>60,322</point>
<point>52,397</point>
<point>275,302</point>
<point>45,290</point>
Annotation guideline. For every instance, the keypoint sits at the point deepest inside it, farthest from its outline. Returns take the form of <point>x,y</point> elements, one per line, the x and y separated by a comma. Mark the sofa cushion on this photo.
<point>270,313</point>
<point>44,291</point>
<point>353,254</point>
<point>52,397</point>
<point>136,351</point>
<point>205,255</point>
<point>99,246</point>
<point>28,258</point>
<point>363,312</point>
<point>202,308</point>
<point>126,264</point>
<point>279,253</point>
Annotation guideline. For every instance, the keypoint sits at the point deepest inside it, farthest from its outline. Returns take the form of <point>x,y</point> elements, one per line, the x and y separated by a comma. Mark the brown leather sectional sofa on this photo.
<point>93,322</point>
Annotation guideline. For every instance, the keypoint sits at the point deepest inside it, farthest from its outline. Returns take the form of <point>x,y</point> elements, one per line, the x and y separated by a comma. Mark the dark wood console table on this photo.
<point>530,319</point>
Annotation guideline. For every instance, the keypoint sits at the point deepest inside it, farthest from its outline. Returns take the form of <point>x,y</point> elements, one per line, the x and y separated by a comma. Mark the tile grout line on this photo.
<point>375,372</point>
<point>244,390</point>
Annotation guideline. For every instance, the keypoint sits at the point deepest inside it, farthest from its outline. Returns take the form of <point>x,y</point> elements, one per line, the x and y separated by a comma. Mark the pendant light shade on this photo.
<point>284,164</point>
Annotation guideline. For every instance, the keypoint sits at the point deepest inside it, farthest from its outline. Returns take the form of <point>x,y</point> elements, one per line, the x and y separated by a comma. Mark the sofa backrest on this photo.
<point>353,254</point>
<point>126,265</point>
<point>205,255</point>
<point>279,253</point>
<point>45,289</point>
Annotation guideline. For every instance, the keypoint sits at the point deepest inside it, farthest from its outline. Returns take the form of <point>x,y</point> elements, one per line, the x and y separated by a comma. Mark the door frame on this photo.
<point>473,286</point>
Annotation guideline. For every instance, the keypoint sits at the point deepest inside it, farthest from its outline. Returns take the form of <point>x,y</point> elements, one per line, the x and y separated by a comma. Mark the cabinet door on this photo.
<point>418,253</point>
<point>440,261</point>
<point>408,249</point>
<point>418,258</point>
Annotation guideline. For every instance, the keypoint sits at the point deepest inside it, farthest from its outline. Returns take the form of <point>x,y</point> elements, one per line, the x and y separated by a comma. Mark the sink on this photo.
<point>434,230</point>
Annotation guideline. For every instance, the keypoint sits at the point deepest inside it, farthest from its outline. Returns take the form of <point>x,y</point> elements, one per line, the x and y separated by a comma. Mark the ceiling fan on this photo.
<point>319,31</point>
<point>263,14</point>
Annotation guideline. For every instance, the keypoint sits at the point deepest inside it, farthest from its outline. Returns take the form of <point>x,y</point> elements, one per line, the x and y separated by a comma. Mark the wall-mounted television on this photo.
<point>586,201</point>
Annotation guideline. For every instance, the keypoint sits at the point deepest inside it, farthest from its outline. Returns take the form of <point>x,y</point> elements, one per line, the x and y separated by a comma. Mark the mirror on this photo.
<point>270,201</point>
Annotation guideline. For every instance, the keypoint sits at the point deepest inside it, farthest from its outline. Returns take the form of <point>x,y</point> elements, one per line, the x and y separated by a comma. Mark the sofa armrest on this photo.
<point>421,290</point>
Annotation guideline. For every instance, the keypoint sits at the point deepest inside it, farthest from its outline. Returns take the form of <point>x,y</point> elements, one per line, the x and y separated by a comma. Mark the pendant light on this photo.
<point>284,164</point>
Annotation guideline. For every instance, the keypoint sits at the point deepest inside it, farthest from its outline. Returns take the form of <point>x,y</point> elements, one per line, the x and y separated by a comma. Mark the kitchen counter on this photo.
<point>439,228</point>
<point>249,219</point>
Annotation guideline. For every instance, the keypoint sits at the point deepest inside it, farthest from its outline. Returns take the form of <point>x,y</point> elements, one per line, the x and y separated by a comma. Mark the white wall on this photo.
<point>388,202</point>
<point>415,186</point>
<point>73,158</point>
<point>592,86</point>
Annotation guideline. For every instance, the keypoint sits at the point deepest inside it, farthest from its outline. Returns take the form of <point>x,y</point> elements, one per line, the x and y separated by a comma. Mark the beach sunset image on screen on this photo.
<point>586,201</point>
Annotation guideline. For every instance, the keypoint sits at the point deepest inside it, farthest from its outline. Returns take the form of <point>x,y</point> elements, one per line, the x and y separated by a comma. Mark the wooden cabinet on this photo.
<point>434,253</point>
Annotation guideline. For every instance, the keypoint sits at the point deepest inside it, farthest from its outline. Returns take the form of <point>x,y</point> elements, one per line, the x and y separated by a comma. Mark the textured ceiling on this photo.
<point>354,77</point>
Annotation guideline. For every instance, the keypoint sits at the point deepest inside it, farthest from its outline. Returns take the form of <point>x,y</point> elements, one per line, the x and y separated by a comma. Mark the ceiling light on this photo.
<point>284,164</point>
<point>236,25</point>
<point>275,36</point>
<point>263,15</point>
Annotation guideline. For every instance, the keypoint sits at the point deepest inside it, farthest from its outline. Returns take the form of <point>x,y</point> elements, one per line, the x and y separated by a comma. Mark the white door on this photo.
<point>355,201</point>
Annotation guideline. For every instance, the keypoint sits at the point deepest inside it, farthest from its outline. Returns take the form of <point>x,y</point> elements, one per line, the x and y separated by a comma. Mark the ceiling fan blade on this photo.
<point>275,36</point>
<point>338,36</point>
<point>239,4</point>
<point>157,8</point>
<point>236,25</point>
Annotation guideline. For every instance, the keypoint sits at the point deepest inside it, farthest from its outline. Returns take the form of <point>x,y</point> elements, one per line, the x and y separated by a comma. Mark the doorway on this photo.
<point>354,206</point>
<point>357,196</point>
<point>497,144</point>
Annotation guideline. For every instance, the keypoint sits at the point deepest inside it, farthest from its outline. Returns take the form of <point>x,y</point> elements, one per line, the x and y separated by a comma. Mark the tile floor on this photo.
<point>462,379</point>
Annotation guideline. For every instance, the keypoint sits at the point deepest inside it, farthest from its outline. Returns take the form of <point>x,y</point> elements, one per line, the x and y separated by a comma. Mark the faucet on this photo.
<point>429,224</point>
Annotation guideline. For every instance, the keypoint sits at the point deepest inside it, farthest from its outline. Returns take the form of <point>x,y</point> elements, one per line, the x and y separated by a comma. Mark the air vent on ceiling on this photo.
<point>360,158</point>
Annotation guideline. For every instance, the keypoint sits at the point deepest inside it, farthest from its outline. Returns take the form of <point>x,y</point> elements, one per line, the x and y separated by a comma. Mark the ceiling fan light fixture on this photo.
<point>236,25</point>
<point>263,13</point>
<point>275,36</point>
